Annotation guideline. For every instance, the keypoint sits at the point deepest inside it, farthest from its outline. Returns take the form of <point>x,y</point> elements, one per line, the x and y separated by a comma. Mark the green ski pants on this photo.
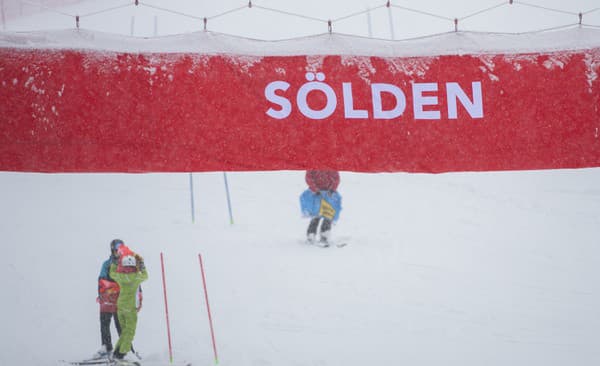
<point>128,321</point>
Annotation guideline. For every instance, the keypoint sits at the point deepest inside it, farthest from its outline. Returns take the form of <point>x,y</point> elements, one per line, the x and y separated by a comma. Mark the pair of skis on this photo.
<point>104,362</point>
<point>114,362</point>
<point>326,244</point>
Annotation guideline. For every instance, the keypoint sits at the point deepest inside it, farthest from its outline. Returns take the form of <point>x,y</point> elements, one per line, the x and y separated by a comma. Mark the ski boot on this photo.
<point>103,352</point>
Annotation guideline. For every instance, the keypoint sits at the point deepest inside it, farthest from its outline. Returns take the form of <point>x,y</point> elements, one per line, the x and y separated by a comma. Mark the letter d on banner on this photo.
<point>378,112</point>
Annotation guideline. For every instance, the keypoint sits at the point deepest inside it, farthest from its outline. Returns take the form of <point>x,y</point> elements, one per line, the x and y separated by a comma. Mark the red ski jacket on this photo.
<point>322,180</point>
<point>108,294</point>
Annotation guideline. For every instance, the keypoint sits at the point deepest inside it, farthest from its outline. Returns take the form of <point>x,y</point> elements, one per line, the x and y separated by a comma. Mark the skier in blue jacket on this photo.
<point>321,202</point>
<point>108,293</point>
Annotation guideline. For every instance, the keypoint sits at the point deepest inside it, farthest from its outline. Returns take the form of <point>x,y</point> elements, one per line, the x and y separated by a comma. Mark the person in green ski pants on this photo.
<point>129,273</point>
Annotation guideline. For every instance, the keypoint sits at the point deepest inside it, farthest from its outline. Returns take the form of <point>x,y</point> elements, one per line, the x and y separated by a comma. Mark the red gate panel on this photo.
<point>96,111</point>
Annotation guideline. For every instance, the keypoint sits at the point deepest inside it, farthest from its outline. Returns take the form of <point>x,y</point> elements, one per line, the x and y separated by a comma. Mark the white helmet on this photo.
<point>128,261</point>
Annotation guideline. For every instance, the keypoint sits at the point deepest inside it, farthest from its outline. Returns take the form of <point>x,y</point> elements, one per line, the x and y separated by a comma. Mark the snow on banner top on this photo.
<point>452,43</point>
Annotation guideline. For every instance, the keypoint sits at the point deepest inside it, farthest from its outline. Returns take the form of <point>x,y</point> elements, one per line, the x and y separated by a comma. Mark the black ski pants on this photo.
<point>105,329</point>
<point>314,224</point>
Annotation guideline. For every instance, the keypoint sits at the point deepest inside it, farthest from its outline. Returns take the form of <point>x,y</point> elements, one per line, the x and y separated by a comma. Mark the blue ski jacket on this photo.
<point>105,269</point>
<point>325,204</point>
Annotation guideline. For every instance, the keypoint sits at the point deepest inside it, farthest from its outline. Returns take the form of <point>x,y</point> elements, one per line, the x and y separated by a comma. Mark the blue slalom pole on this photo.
<point>228,198</point>
<point>192,197</point>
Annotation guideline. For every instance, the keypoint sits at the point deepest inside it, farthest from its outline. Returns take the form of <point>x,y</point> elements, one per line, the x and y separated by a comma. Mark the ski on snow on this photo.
<point>325,245</point>
<point>91,361</point>
<point>111,362</point>
<point>103,361</point>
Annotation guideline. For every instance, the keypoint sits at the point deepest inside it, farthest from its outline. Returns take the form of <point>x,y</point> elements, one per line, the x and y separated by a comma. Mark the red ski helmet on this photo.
<point>125,256</point>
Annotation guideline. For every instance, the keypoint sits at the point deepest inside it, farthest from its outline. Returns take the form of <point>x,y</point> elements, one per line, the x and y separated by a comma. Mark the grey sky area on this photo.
<point>282,19</point>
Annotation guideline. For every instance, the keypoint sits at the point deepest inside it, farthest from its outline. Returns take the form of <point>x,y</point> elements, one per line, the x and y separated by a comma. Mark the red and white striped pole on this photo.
<point>162,265</point>
<point>212,332</point>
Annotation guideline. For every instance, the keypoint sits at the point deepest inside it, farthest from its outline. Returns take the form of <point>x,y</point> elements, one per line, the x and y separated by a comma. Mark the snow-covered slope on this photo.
<point>453,269</point>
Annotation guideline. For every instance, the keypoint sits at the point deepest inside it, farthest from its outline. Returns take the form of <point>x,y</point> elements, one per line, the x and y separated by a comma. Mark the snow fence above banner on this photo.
<point>87,102</point>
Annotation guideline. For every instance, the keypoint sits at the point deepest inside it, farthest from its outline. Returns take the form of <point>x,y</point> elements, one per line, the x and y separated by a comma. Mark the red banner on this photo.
<point>97,111</point>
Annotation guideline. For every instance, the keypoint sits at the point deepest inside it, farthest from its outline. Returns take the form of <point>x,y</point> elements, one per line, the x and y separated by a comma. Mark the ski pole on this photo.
<point>212,332</point>
<point>192,197</point>
<point>228,198</point>
<point>136,353</point>
<point>162,265</point>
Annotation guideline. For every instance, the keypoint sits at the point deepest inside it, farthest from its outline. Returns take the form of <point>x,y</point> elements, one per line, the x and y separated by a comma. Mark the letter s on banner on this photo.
<point>284,103</point>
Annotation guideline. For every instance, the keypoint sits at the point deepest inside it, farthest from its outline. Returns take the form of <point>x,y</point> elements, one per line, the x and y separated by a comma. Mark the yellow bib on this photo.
<point>326,210</point>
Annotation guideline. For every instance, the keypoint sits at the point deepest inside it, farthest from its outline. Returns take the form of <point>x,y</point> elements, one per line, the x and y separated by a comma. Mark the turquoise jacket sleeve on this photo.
<point>104,271</point>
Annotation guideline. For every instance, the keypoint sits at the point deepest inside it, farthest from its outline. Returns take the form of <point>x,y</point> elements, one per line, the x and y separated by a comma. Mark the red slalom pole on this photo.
<point>162,265</point>
<point>212,332</point>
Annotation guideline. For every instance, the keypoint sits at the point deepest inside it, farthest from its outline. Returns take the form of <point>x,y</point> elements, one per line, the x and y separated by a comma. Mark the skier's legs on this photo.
<point>117,324</point>
<point>325,229</point>
<point>311,232</point>
<point>105,330</point>
<point>312,226</point>
<point>128,320</point>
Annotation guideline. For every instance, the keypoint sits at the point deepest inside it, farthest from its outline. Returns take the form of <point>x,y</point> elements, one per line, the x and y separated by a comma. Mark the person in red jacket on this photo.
<point>321,182</point>
<point>108,293</point>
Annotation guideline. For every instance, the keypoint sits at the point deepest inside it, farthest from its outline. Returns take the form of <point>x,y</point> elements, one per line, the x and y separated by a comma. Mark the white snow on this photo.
<point>469,269</point>
<point>454,269</point>
<point>591,65</point>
